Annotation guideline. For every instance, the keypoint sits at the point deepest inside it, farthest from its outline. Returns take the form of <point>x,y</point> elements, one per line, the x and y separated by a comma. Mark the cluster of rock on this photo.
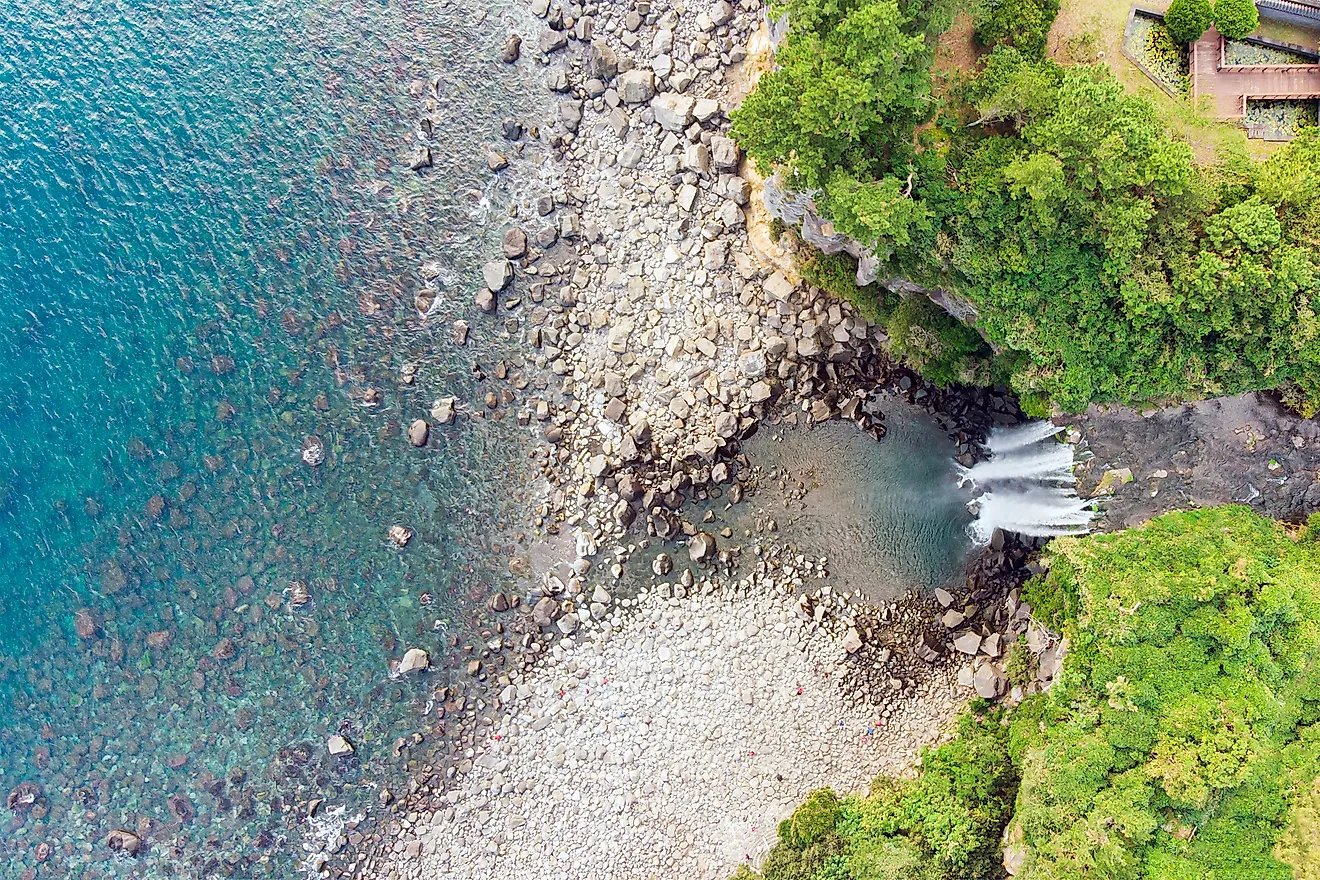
<point>636,284</point>
<point>671,742</point>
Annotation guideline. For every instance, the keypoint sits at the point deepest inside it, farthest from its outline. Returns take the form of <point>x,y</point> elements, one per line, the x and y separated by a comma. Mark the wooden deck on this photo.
<point>1229,86</point>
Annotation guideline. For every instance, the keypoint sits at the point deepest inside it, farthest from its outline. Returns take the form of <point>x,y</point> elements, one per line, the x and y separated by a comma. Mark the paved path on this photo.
<point>1227,86</point>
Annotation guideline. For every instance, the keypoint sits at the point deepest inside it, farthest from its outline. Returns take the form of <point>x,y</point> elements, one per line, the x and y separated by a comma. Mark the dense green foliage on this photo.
<point>1022,24</point>
<point>943,825</point>
<point>1187,20</point>
<point>1181,741</point>
<point>1185,720</point>
<point>1103,261</point>
<point>852,83</point>
<point>1236,18</point>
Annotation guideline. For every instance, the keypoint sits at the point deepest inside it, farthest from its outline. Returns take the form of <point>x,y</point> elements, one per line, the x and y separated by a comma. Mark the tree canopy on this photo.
<point>1103,262</point>
<point>1236,18</point>
<point>1187,20</point>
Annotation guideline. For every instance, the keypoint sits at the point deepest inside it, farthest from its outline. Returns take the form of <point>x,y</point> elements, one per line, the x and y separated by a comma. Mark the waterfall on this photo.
<point>1026,485</point>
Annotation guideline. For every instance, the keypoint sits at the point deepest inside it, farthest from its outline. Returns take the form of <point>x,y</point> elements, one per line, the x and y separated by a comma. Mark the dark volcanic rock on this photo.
<point>1240,450</point>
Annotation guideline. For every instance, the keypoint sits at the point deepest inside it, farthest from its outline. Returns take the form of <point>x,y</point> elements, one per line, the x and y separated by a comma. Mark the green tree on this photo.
<point>1187,20</point>
<point>1236,18</point>
<point>1023,24</point>
<point>852,84</point>
<point>1184,720</point>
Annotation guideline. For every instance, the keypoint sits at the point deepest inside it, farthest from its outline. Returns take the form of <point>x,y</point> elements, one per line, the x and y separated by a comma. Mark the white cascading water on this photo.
<point>1026,485</point>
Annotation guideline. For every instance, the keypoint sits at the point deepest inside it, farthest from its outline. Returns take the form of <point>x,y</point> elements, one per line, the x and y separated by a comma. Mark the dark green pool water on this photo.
<point>209,249</point>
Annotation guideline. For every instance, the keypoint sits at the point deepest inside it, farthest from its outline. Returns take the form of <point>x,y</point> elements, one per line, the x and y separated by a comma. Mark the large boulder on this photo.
<point>497,274</point>
<point>673,112</point>
<point>601,62</point>
<point>418,432</point>
<point>702,547</point>
<point>414,660</point>
<point>637,86</point>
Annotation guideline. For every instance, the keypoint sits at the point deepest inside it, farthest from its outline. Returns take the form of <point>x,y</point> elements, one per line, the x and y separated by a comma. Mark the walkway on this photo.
<point>1229,86</point>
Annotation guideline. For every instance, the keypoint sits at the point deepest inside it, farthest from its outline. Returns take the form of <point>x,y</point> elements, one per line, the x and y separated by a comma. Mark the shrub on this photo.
<point>943,825</point>
<point>1236,18</point>
<point>1187,20</point>
<point>1022,24</point>
<point>937,345</point>
<point>812,821</point>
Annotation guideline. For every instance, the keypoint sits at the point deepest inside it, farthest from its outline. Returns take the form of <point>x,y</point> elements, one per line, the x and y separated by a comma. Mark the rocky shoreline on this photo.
<point>671,327</point>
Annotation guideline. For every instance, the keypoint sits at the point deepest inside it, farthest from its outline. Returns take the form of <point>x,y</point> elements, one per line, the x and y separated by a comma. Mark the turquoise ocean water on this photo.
<point>209,249</point>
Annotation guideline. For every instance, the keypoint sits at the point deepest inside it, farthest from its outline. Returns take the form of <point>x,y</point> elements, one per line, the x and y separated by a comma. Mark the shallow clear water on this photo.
<point>888,515</point>
<point>209,249</point>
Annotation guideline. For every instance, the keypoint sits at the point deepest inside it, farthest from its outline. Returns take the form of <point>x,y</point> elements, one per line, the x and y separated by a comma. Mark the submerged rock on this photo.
<point>84,621</point>
<point>512,49</point>
<point>443,410</point>
<point>23,797</point>
<point>124,841</point>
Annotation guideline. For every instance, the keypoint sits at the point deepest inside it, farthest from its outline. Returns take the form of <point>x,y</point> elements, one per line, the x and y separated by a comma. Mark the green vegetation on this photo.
<point>1236,18</point>
<point>1187,20</point>
<point>1180,740</point>
<point>1022,24</point>
<point>1103,261</point>
<point>1185,720</point>
<point>943,825</point>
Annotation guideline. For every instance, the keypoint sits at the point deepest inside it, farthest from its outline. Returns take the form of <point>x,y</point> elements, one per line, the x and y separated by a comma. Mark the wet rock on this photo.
<point>514,243</point>
<point>418,432</point>
<point>702,547</point>
<point>662,565</point>
<point>400,536</point>
<point>545,611</point>
<point>459,332</point>
<point>421,158</point>
<point>313,450</point>
<point>338,747</point>
<point>512,49</point>
<point>498,602</point>
<point>443,410</point>
<point>570,113</point>
<point>124,841</point>
<point>414,660</point>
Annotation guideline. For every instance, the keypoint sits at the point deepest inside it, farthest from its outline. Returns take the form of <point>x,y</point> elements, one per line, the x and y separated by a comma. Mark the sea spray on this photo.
<point>1026,485</point>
